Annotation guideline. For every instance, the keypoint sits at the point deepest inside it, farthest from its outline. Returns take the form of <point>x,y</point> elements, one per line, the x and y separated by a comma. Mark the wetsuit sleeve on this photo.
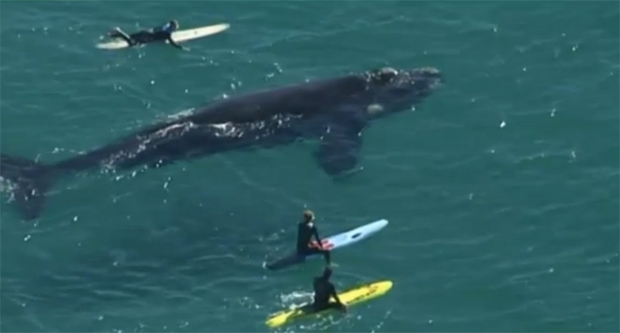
<point>172,42</point>
<point>334,294</point>
<point>315,232</point>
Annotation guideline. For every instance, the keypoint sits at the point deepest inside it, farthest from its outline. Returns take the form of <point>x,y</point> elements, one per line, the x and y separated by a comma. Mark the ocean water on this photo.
<point>501,189</point>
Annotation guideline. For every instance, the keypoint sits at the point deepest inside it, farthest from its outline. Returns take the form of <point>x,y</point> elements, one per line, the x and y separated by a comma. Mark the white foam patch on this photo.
<point>296,298</point>
<point>227,130</point>
<point>143,144</point>
<point>181,114</point>
<point>7,187</point>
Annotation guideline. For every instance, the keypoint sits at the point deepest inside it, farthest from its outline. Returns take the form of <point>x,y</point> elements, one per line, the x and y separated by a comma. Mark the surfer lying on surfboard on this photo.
<point>305,230</point>
<point>163,32</point>
<point>323,290</point>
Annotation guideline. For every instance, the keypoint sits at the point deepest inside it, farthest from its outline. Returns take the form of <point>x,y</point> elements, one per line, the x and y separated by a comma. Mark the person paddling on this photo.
<point>161,33</point>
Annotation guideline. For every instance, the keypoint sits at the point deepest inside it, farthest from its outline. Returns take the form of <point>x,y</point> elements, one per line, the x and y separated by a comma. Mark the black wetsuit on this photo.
<point>323,290</point>
<point>148,36</point>
<point>305,231</point>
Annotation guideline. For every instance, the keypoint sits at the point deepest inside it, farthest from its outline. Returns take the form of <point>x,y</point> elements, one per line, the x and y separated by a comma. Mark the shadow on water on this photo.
<point>177,256</point>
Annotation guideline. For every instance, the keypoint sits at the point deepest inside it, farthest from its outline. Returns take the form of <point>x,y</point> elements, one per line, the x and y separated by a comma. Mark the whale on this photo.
<point>333,111</point>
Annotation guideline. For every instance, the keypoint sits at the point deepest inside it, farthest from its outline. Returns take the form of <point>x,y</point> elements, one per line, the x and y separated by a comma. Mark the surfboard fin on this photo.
<point>29,181</point>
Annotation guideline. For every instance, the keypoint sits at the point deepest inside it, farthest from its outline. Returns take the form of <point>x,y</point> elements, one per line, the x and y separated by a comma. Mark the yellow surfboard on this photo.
<point>350,297</point>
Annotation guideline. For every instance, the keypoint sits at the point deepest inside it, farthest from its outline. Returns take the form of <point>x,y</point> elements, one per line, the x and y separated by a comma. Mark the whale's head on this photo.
<point>391,90</point>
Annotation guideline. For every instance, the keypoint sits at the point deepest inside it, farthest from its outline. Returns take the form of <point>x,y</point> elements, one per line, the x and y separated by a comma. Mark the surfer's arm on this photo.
<point>315,232</point>
<point>173,43</point>
<point>334,294</point>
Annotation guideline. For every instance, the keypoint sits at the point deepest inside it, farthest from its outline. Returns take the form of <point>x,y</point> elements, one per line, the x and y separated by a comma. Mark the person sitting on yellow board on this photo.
<point>163,32</point>
<point>323,290</point>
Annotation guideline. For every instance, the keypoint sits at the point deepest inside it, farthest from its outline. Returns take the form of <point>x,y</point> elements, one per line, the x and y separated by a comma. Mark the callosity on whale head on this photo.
<point>398,90</point>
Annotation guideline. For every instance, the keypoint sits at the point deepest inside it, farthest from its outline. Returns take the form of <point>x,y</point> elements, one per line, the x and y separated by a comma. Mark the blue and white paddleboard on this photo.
<point>331,243</point>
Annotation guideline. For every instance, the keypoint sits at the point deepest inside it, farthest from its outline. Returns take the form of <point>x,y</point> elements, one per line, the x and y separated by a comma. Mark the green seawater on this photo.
<point>501,188</point>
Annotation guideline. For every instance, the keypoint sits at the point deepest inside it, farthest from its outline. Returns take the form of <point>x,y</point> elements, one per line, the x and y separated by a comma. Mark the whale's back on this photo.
<point>304,99</point>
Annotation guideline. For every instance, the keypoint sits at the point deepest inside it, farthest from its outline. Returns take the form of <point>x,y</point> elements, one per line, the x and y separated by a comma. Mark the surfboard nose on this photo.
<point>380,224</point>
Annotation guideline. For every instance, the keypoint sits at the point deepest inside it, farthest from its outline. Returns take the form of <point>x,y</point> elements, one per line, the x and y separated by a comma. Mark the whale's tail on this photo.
<point>29,181</point>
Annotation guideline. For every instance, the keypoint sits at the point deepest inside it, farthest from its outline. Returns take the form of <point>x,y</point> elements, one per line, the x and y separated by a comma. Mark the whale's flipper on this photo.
<point>339,151</point>
<point>29,181</point>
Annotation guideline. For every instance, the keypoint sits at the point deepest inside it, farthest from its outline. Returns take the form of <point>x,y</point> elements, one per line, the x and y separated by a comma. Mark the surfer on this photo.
<point>163,32</point>
<point>323,290</point>
<point>305,230</point>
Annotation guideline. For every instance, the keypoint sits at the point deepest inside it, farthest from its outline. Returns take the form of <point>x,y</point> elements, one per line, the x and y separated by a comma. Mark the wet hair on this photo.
<point>174,23</point>
<point>308,216</point>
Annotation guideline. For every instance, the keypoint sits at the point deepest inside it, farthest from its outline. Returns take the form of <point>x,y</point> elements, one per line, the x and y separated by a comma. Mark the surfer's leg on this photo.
<point>335,306</point>
<point>318,307</point>
<point>327,256</point>
<point>314,250</point>
<point>322,307</point>
<point>143,37</point>
<point>114,32</point>
<point>118,33</point>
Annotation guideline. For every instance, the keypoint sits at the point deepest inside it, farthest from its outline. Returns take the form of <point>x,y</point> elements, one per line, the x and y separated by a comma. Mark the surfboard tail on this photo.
<point>28,181</point>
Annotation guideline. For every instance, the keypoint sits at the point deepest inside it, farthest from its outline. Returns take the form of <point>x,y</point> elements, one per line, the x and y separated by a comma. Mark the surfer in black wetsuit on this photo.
<point>163,32</point>
<point>323,290</point>
<point>305,230</point>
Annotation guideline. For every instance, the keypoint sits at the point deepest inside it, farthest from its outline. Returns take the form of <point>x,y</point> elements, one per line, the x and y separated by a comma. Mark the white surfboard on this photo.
<point>331,243</point>
<point>178,36</point>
